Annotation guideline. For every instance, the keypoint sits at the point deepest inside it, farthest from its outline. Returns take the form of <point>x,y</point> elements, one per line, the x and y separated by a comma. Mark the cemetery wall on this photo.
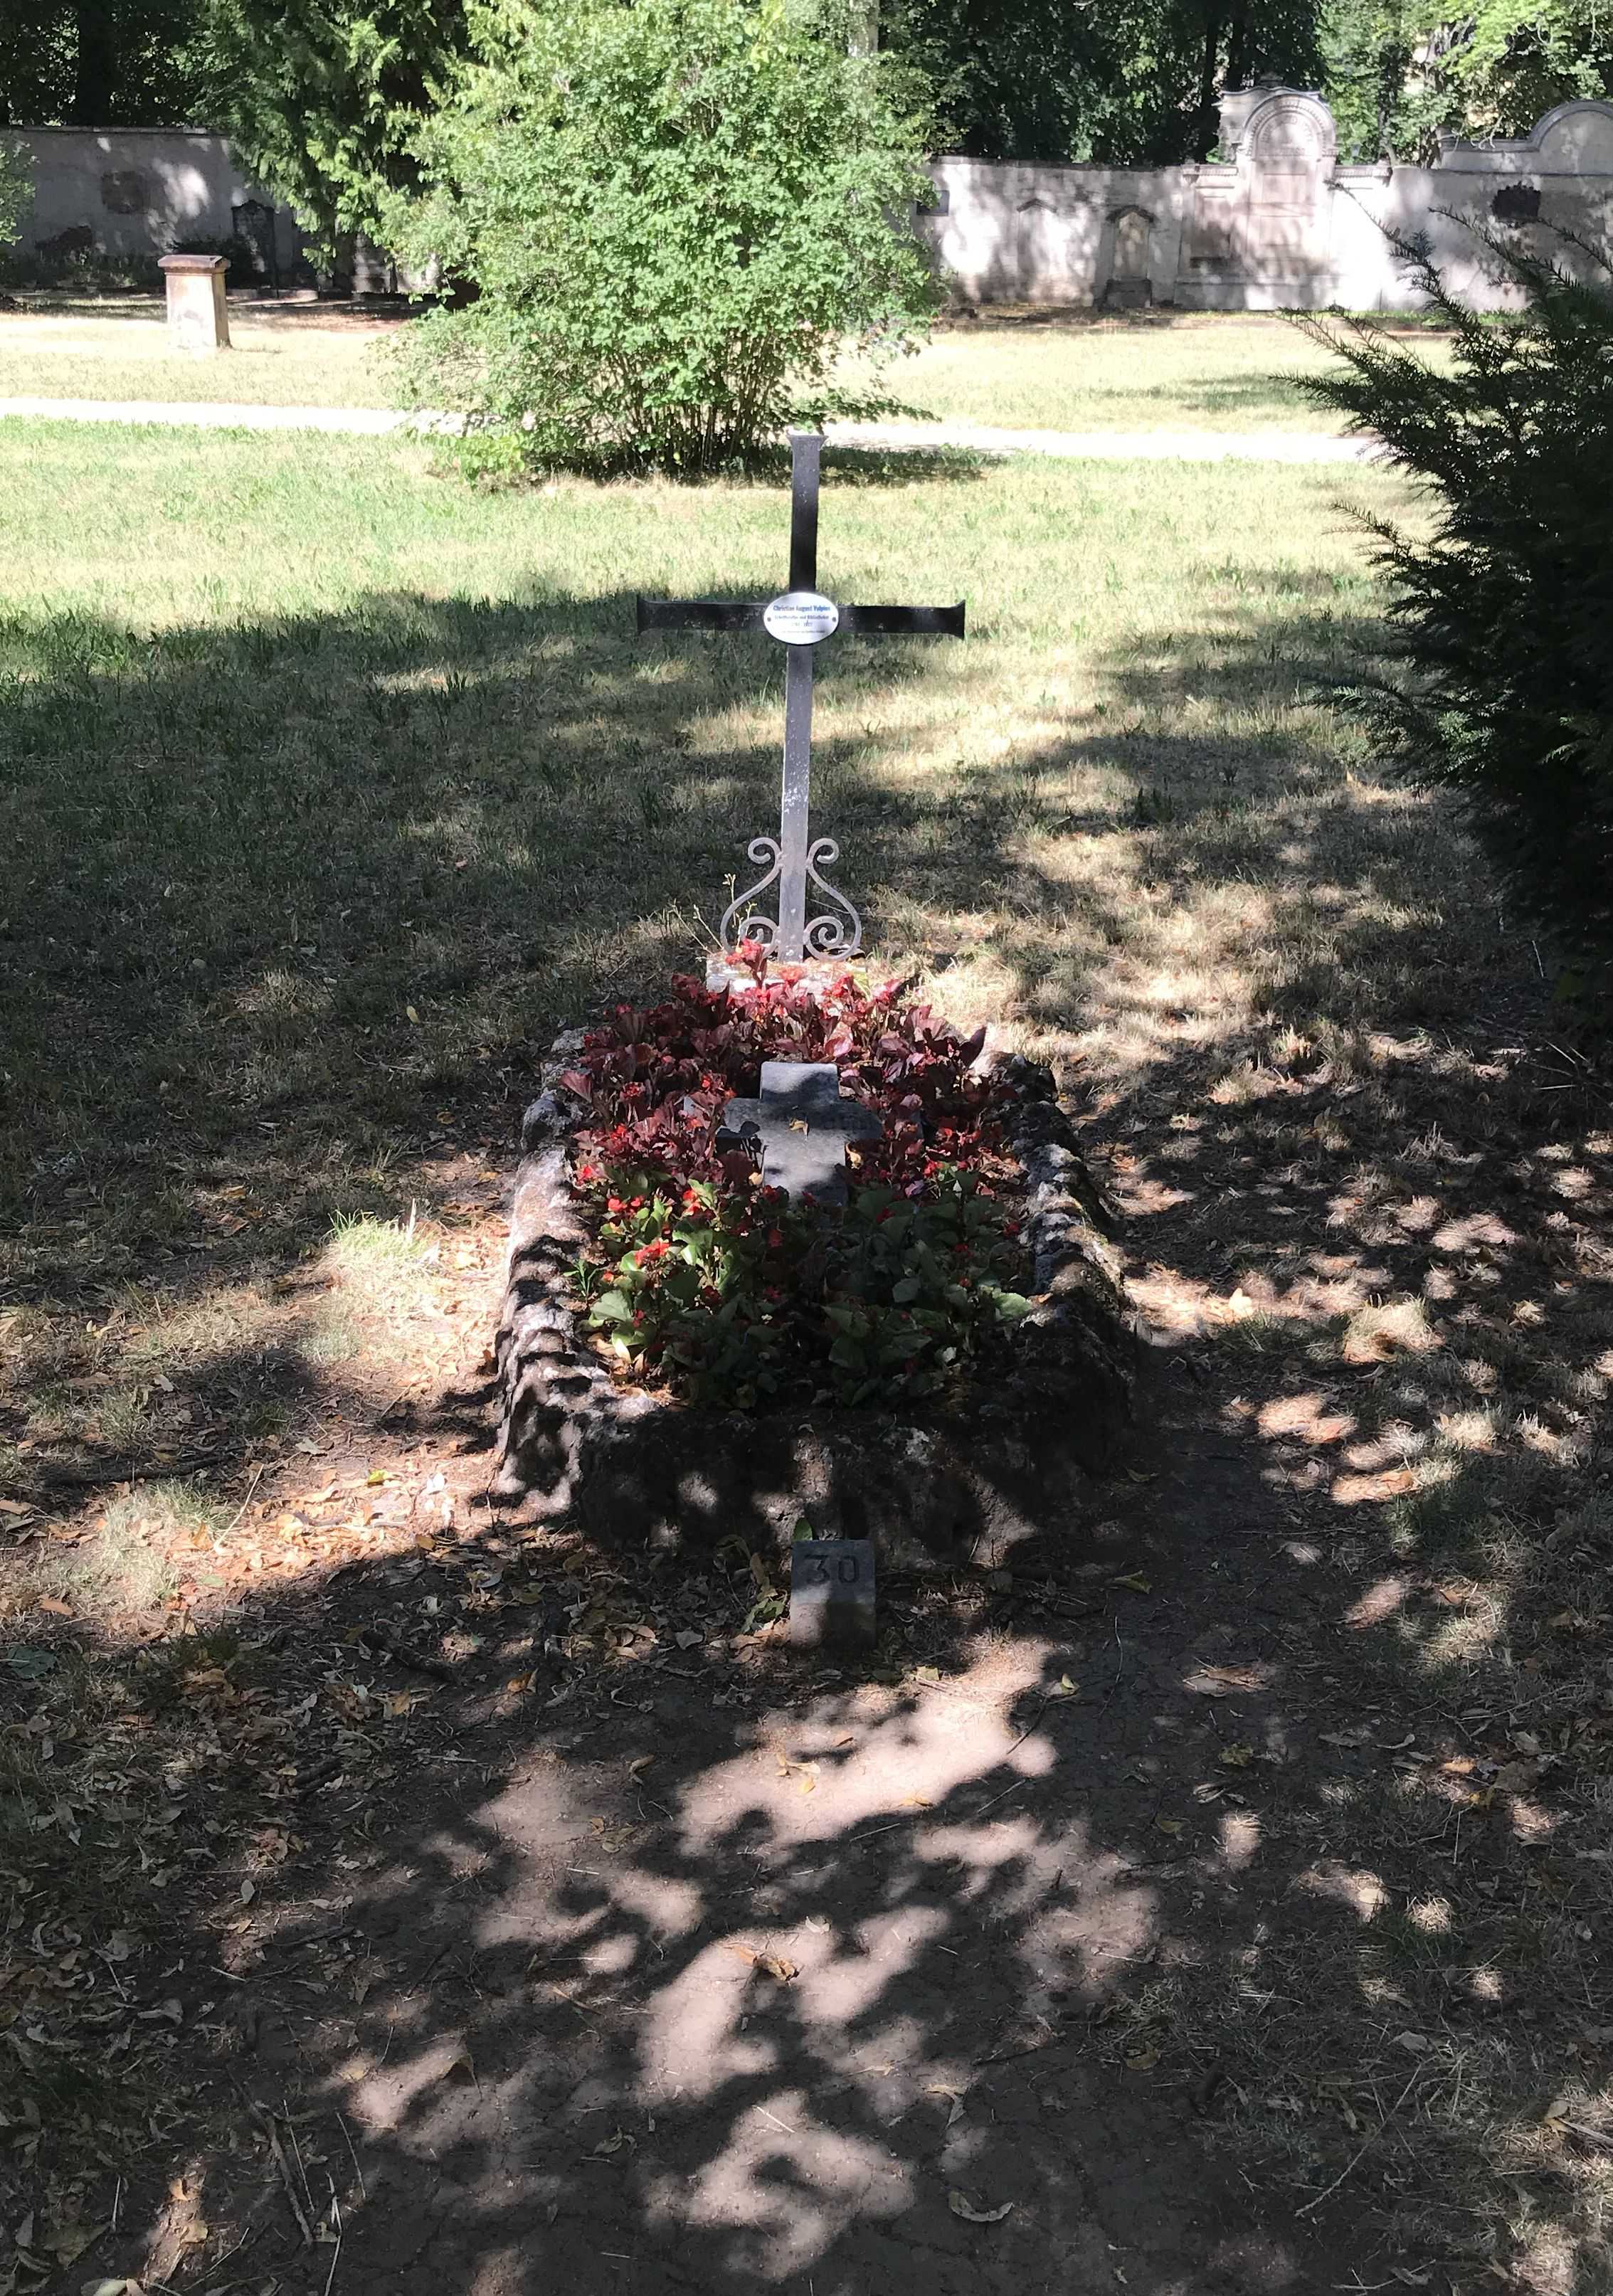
<point>139,191</point>
<point>1277,224</point>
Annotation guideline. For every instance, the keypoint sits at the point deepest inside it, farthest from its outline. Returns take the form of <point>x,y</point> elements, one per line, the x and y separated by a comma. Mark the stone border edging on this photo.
<point>937,1489</point>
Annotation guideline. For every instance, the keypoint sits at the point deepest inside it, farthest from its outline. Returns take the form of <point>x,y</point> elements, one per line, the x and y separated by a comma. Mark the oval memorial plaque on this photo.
<point>801,617</point>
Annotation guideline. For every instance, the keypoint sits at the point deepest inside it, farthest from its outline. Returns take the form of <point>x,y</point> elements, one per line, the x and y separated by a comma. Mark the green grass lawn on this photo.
<point>1198,372</point>
<point>1149,372</point>
<point>289,355</point>
<point>401,746</point>
<point>333,787</point>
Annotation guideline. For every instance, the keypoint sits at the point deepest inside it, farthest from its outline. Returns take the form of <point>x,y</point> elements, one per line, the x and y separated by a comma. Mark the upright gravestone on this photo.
<point>198,319</point>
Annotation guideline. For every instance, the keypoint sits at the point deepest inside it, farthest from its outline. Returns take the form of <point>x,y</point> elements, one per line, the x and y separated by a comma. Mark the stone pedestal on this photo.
<point>198,320</point>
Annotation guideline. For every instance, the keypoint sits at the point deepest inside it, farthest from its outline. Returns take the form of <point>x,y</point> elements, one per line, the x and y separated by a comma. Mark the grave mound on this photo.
<point>613,1416</point>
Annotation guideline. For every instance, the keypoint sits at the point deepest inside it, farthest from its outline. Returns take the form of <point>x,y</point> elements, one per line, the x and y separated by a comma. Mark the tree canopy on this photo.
<point>1133,82</point>
<point>1397,74</point>
<point>104,63</point>
<point>322,97</point>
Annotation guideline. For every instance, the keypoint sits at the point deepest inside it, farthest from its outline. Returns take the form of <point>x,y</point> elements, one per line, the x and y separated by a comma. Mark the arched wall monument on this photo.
<point>1277,224</point>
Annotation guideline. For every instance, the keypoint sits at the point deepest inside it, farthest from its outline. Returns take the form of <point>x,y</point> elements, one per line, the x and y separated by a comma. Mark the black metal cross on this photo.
<point>799,619</point>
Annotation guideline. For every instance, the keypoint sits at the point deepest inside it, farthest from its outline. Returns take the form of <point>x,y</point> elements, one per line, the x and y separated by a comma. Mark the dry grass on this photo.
<point>1155,371</point>
<point>64,347</point>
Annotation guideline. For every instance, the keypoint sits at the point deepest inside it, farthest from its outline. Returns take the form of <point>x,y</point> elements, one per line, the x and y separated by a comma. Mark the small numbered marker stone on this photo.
<point>832,1594</point>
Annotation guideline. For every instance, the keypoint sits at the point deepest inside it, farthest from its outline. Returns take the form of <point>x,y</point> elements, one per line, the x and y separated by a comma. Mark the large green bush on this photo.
<point>673,217</point>
<point>1502,618</point>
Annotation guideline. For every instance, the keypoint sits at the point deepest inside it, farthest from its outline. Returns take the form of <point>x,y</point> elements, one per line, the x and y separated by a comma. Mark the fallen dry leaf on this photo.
<point>1223,1681</point>
<point>963,2206</point>
<point>70,2242</point>
<point>772,1963</point>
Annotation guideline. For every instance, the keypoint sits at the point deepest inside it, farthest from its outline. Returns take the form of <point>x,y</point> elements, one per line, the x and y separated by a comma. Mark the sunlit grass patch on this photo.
<point>1204,370</point>
<point>366,1248</point>
<point>57,348</point>
<point>120,1570</point>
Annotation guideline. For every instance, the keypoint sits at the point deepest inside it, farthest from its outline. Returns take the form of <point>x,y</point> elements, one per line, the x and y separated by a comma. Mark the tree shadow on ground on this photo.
<point>303,897</point>
<point>1216,1893</point>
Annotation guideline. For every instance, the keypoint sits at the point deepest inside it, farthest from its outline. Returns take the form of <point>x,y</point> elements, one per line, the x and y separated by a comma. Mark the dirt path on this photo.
<point>706,1971</point>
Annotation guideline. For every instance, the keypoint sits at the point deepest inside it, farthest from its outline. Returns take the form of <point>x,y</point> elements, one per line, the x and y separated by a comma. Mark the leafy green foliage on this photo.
<point>736,1297</point>
<point>704,1279</point>
<point>1396,73</point>
<point>1503,619</point>
<point>102,64</point>
<point>1520,58</point>
<point>675,217</point>
<point>1133,82</point>
<point>322,97</point>
<point>16,190</point>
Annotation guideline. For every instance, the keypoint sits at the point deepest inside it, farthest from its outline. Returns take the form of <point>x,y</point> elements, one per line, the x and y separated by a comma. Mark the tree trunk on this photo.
<point>1240,48</point>
<point>95,75</point>
<point>1209,121</point>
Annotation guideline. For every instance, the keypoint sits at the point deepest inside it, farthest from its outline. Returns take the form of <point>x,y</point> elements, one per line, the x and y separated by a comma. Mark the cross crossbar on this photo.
<point>799,619</point>
<point>746,614</point>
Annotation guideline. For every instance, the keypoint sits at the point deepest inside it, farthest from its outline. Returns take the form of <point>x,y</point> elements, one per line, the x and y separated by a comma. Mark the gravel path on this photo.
<point>1074,445</point>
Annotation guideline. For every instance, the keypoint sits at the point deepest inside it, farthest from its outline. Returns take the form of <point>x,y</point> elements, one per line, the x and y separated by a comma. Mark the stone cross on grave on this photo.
<point>799,619</point>
<point>804,1125</point>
